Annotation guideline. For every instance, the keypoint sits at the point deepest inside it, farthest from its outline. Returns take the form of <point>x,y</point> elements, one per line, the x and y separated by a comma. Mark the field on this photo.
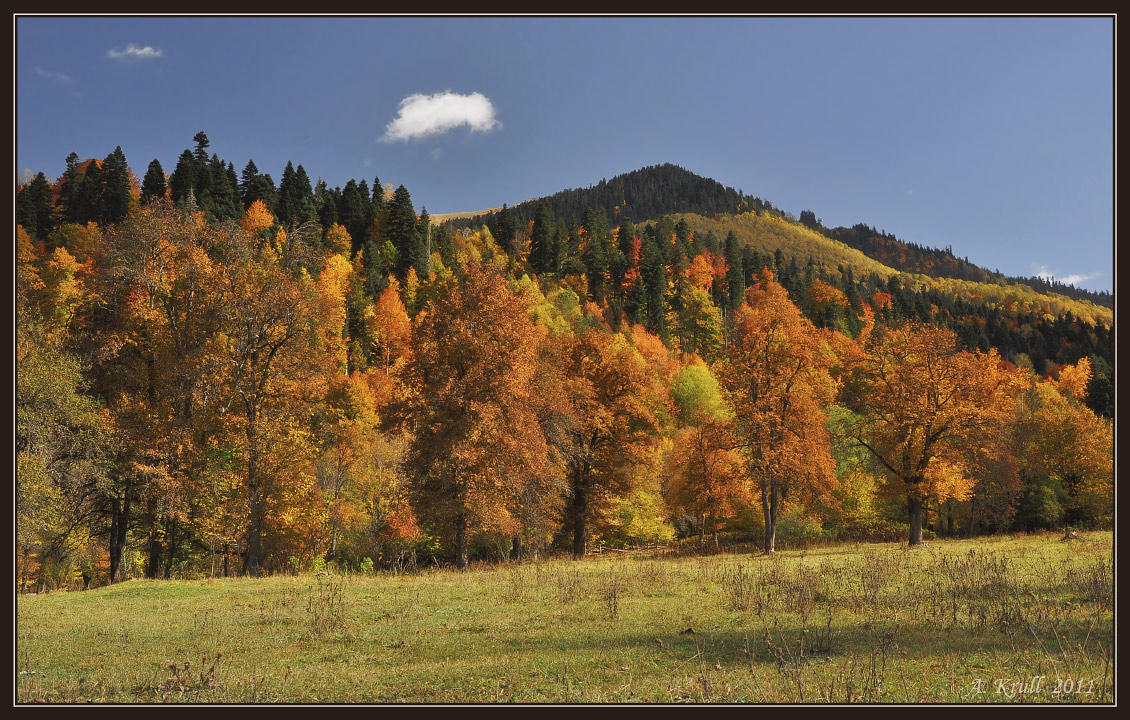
<point>954,621</point>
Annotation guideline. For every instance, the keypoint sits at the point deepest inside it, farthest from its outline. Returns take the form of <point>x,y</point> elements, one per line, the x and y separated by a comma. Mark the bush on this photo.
<point>795,528</point>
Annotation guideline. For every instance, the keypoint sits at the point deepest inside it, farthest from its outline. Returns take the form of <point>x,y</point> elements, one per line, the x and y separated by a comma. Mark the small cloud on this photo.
<point>436,153</point>
<point>133,52</point>
<point>910,191</point>
<point>423,115</point>
<point>54,76</point>
<point>1043,272</point>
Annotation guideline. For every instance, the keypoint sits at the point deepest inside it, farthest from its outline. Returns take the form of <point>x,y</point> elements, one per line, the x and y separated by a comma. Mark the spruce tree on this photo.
<point>34,207</point>
<point>542,253</point>
<point>654,278</point>
<point>506,230</point>
<point>115,187</point>
<point>153,185</point>
<point>183,179</point>
<point>424,246</point>
<point>401,230</point>
<point>69,189</point>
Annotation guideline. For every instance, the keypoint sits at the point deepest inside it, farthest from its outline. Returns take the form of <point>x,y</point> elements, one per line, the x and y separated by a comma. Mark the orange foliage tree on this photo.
<point>602,420</point>
<point>708,478</point>
<point>776,372</point>
<point>921,403</point>
<point>477,441</point>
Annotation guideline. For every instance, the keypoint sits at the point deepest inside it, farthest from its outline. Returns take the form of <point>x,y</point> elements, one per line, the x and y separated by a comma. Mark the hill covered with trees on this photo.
<point>217,374</point>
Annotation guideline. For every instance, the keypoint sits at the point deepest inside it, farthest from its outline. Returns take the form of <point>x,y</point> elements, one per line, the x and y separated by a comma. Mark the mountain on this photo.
<point>657,190</point>
<point>641,195</point>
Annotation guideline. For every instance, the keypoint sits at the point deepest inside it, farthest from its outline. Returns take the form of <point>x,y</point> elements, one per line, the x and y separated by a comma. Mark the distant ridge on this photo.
<point>657,190</point>
<point>641,195</point>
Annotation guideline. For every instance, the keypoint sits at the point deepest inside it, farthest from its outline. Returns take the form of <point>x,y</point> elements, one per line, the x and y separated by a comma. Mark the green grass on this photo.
<point>851,623</point>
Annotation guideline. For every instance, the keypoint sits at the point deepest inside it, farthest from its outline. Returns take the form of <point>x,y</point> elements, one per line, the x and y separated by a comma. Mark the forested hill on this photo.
<point>640,195</point>
<point>940,263</point>
<point>667,189</point>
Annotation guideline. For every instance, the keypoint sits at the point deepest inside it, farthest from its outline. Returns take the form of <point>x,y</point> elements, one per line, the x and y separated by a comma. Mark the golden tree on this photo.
<point>923,403</point>
<point>477,441</point>
<point>776,373</point>
<point>601,417</point>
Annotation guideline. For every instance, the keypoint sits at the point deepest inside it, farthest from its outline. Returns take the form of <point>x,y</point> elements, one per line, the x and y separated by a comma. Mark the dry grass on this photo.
<point>854,623</point>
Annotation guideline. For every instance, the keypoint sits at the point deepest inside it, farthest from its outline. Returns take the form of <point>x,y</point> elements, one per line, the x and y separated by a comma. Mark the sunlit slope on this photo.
<point>767,233</point>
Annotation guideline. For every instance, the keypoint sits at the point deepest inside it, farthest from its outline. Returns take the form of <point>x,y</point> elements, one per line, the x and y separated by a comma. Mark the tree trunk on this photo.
<point>580,508</point>
<point>769,507</point>
<point>153,567</point>
<point>914,506</point>
<point>172,549</point>
<point>516,547</point>
<point>461,543</point>
<point>115,552</point>
<point>701,529</point>
<point>119,524</point>
<point>253,565</point>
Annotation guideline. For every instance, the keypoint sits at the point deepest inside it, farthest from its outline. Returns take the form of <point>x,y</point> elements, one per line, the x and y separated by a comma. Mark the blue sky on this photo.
<point>991,135</point>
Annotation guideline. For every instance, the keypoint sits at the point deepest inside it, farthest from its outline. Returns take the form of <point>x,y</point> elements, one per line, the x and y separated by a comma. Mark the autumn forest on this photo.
<point>218,374</point>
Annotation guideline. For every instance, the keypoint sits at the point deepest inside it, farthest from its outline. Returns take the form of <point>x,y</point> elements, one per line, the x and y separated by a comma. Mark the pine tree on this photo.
<point>183,180</point>
<point>34,207</point>
<point>116,189</point>
<point>655,284</point>
<point>153,185</point>
<point>542,252</point>
<point>506,230</point>
<point>401,231</point>
<point>597,252</point>
<point>424,245</point>
<point>69,188</point>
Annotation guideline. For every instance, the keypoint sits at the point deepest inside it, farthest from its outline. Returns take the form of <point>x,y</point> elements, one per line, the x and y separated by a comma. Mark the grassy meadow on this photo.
<point>850,623</point>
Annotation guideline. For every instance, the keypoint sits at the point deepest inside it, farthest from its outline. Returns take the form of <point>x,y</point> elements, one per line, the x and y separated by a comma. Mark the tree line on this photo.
<point>210,393</point>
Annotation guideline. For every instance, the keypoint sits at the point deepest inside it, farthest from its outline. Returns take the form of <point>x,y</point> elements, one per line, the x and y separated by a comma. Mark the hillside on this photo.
<point>766,233</point>
<point>644,194</point>
<point>651,192</point>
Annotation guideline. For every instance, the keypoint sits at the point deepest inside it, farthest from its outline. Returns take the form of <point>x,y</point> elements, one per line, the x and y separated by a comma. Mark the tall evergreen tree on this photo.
<point>153,184</point>
<point>34,207</point>
<point>325,201</point>
<point>88,202</point>
<point>353,212</point>
<point>200,154</point>
<point>183,179</point>
<point>597,252</point>
<point>655,286</point>
<point>424,245</point>
<point>296,197</point>
<point>401,230</point>
<point>115,187</point>
<point>542,252</point>
<point>506,230</point>
<point>69,189</point>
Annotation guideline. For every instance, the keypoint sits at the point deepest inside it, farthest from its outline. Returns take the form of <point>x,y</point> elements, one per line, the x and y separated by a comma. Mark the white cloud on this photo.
<point>423,115</point>
<point>1043,272</point>
<point>52,75</point>
<point>133,52</point>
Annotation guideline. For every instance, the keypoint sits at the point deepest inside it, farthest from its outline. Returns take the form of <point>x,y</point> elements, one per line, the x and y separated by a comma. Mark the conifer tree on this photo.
<point>542,252</point>
<point>153,185</point>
